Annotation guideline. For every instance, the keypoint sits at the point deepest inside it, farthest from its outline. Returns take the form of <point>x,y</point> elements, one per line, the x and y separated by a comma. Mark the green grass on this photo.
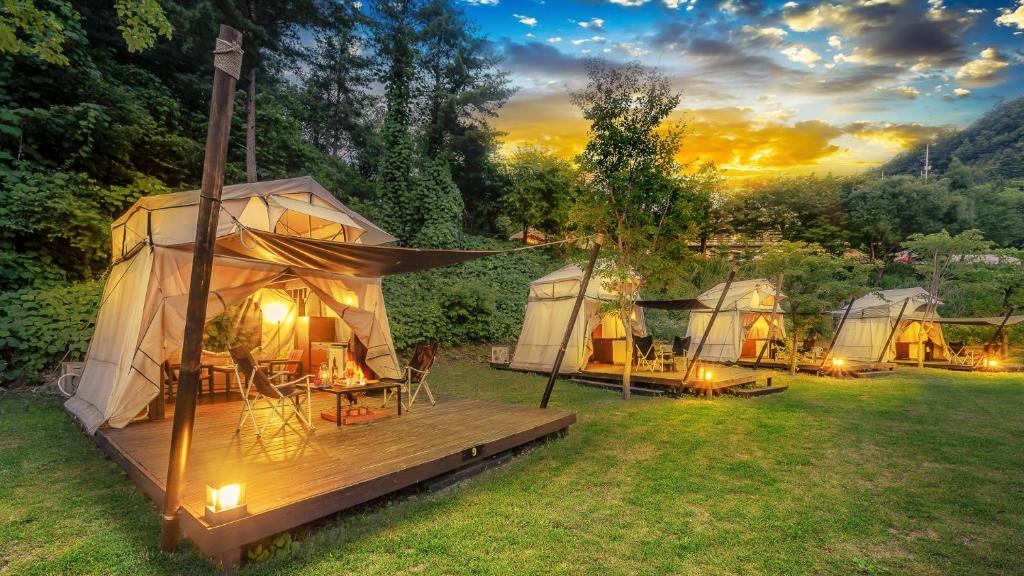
<point>921,472</point>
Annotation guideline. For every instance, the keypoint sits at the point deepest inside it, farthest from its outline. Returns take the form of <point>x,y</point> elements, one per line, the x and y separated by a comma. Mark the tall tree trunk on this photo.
<point>627,370</point>
<point>250,118</point>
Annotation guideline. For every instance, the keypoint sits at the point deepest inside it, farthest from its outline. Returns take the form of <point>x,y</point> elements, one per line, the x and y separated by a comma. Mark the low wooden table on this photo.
<point>350,391</point>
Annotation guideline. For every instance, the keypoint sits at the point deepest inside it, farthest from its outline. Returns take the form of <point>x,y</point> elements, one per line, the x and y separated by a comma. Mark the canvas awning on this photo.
<point>340,258</point>
<point>684,304</point>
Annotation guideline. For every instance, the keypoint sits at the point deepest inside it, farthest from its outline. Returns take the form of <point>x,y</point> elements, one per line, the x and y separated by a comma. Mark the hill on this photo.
<point>992,146</point>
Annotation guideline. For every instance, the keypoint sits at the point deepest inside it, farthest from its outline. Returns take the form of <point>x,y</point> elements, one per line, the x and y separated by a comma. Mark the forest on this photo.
<point>388,104</point>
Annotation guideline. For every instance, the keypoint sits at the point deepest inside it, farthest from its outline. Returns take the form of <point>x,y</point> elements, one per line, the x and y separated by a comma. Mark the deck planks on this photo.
<point>293,477</point>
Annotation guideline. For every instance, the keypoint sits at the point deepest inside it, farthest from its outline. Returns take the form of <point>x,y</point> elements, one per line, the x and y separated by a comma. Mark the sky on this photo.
<point>768,87</point>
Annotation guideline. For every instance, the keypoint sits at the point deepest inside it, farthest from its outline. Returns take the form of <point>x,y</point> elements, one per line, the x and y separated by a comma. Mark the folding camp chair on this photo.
<point>680,348</point>
<point>278,397</point>
<point>416,374</point>
<point>647,357</point>
<point>292,367</point>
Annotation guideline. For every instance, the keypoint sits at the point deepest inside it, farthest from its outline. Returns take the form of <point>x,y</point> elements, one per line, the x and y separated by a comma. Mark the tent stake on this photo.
<point>771,328</point>
<point>227,61</point>
<point>892,333</point>
<point>598,240</point>
<point>707,330</point>
<point>835,337</point>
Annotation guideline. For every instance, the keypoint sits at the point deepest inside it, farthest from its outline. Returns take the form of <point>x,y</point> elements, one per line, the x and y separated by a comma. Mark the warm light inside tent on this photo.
<point>349,299</point>
<point>274,312</point>
<point>225,503</point>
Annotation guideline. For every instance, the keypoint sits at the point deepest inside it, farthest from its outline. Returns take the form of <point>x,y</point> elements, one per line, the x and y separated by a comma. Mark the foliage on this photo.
<point>814,282</point>
<point>538,190</point>
<point>797,209</point>
<point>39,327</point>
<point>440,206</point>
<point>991,147</point>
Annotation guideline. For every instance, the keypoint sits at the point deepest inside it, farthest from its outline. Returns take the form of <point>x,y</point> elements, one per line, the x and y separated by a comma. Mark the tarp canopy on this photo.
<point>744,323</point>
<point>141,319</point>
<point>684,304</point>
<point>548,309</point>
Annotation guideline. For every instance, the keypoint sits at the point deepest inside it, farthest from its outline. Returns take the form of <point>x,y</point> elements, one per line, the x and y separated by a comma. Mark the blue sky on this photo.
<point>794,86</point>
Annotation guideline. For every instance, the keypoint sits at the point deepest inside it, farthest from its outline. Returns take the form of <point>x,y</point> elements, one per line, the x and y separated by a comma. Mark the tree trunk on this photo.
<point>250,129</point>
<point>627,370</point>
<point>792,353</point>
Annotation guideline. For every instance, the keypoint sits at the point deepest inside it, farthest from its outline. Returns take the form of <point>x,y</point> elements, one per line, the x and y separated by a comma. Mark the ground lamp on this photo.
<point>991,363</point>
<point>225,503</point>
<point>707,375</point>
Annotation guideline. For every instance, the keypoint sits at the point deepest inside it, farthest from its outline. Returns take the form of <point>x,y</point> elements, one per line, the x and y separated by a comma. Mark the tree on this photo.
<point>816,281</point>
<point>631,191</point>
<point>538,189</point>
<point>795,208</point>
<point>940,256</point>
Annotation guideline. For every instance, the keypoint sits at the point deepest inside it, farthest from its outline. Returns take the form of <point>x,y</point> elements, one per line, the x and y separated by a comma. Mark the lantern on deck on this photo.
<point>225,503</point>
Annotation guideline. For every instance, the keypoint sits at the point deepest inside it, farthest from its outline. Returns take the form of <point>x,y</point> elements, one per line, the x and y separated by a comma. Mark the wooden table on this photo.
<point>228,370</point>
<point>350,391</point>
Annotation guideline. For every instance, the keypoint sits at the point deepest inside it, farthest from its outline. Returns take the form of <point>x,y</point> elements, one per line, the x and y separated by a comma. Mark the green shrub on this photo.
<point>39,327</point>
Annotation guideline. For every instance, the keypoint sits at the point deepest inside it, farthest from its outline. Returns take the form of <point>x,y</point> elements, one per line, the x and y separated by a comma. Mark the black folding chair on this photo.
<point>416,373</point>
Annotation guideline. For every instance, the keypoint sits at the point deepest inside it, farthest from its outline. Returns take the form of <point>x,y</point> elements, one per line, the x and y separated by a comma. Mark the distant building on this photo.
<point>533,237</point>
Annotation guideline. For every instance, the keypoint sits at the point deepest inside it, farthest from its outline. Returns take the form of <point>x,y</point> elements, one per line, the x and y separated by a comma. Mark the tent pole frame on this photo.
<point>594,251</point>
<point>707,329</point>
<point>222,102</point>
<point>771,328</point>
<point>839,330</point>
<point>892,332</point>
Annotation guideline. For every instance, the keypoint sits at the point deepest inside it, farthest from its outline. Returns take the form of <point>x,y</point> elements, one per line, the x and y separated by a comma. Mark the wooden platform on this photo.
<point>852,368</point>
<point>293,476</point>
<point>724,378</point>
<point>945,365</point>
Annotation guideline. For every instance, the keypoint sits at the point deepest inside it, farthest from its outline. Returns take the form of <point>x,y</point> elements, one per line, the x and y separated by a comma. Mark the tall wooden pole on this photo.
<point>839,330</point>
<point>707,329</point>
<point>227,63</point>
<point>598,240</point>
<point>899,317</point>
<point>771,328</point>
<point>999,330</point>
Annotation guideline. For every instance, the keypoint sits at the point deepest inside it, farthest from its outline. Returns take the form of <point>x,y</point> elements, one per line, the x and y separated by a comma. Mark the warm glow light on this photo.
<point>274,312</point>
<point>992,363</point>
<point>225,497</point>
<point>707,375</point>
<point>837,362</point>
<point>350,299</point>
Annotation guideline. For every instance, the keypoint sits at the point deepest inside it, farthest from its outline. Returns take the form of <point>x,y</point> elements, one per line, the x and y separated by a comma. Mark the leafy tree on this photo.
<point>796,208</point>
<point>538,190</point>
<point>632,191</point>
<point>815,281</point>
<point>440,205</point>
<point>940,256</point>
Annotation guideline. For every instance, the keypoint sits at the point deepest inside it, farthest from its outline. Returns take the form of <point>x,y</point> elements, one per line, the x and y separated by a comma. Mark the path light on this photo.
<point>991,363</point>
<point>225,504</point>
<point>838,362</point>
<point>707,375</point>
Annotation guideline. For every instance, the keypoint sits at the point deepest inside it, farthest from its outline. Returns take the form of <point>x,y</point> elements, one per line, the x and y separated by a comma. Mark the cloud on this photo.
<point>540,59</point>
<point>596,39</point>
<point>482,2</point>
<point>629,2</point>
<point>772,34</point>
<point>555,39</point>
<point>908,92</point>
<point>984,71</point>
<point>1012,18</point>
<point>859,79</point>
<point>631,50</point>
<point>895,135</point>
<point>670,34</point>
<point>961,92</point>
<point>527,20</point>
<point>802,54</point>
<point>835,41</point>
<point>595,24</point>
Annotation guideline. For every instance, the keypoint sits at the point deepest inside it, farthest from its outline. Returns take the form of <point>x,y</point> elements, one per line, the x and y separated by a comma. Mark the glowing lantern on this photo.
<point>324,375</point>
<point>991,363</point>
<point>350,300</point>
<point>707,375</point>
<point>225,504</point>
<point>838,362</point>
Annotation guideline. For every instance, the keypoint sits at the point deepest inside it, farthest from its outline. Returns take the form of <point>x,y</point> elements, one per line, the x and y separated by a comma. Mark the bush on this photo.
<point>40,327</point>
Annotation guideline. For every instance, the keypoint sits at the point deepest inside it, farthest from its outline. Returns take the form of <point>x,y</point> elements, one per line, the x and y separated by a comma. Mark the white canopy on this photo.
<point>547,314</point>
<point>745,316</point>
<point>142,312</point>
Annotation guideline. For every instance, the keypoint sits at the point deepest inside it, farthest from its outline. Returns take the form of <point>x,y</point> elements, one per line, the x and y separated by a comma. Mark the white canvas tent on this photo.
<point>547,314</point>
<point>871,321</point>
<point>743,322</point>
<point>285,233</point>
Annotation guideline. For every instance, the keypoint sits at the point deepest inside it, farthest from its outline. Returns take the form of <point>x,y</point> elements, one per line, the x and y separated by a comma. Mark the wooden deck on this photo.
<point>724,378</point>
<point>293,476</point>
<point>852,368</point>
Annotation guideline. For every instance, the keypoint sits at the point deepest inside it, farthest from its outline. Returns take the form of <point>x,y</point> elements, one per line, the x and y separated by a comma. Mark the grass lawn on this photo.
<point>920,472</point>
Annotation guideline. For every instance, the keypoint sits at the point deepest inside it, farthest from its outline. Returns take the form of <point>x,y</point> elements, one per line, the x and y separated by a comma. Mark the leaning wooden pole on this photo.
<point>572,320</point>
<point>1002,326</point>
<point>895,326</point>
<point>707,329</point>
<point>839,330</point>
<point>227,63</point>
<point>771,328</point>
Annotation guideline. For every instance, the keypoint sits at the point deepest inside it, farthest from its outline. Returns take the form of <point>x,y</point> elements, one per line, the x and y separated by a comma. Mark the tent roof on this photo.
<point>278,190</point>
<point>976,321</point>
<point>739,290</point>
<point>572,273</point>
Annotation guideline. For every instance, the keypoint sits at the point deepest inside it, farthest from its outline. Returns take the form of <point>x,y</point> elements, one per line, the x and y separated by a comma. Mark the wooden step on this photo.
<point>762,391</point>
<point>617,387</point>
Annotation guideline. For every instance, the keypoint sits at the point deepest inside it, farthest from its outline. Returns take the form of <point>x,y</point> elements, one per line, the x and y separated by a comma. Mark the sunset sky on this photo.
<point>797,86</point>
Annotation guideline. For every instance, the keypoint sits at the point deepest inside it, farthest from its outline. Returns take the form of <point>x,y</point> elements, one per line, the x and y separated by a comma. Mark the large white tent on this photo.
<point>743,322</point>
<point>547,315</point>
<point>871,321</point>
<point>285,234</point>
